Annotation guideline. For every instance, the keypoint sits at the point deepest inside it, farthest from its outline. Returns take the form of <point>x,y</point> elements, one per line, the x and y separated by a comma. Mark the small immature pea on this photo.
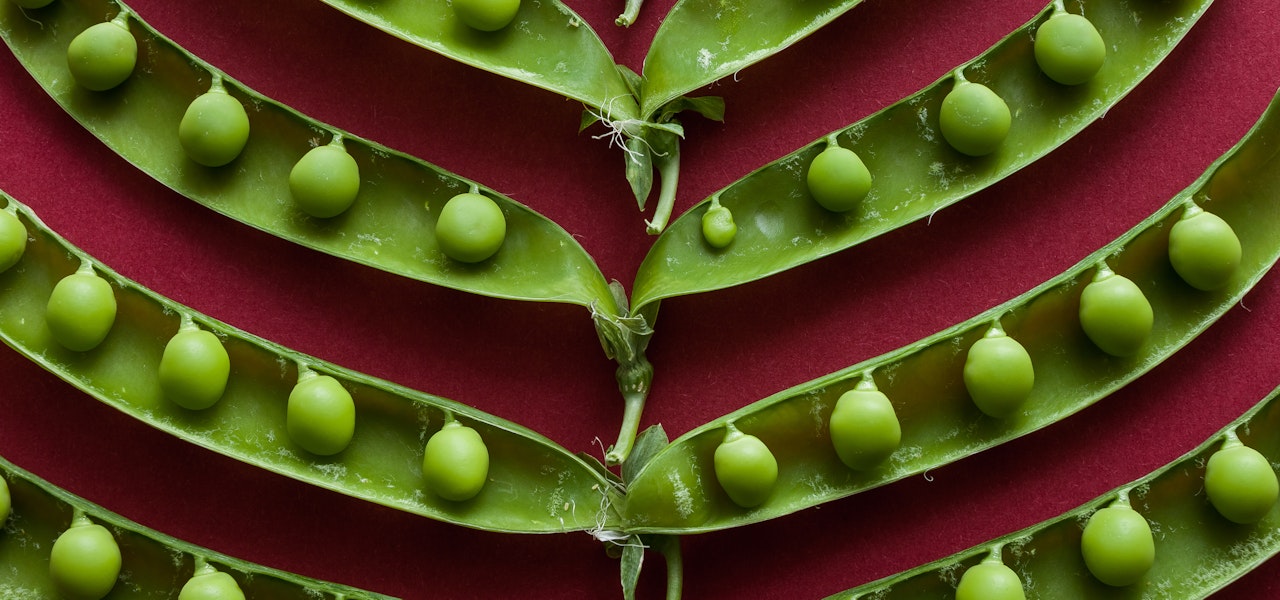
<point>990,579</point>
<point>13,240</point>
<point>81,310</point>
<point>998,373</point>
<point>486,15</point>
<point>718,227</point>
<point>194,369</point>
<point>973,118</point>
<point>1240,482</point>
<point>455,463</point>
<point>837,178</point>
<point>321,415</point>
<point>1069,48</point>
<point>103,56</point>
<point>325,181</point>
<point>215,127</point>
<point>1117,545</point>
<point>1115,314</point>
<point>1203,249</point>
<point>471,227</point>
<point>208,583</point>
<point>864,427</point>
<point>745,468</point>
<point>85,561</point>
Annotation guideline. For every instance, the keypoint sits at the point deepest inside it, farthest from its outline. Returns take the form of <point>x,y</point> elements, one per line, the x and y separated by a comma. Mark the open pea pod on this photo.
<point>1081,335</point>
<point>152,564</point>
<point>390,225</point>
<point>1198,552</point>
<point>372,449</point>
<point>914,171</point>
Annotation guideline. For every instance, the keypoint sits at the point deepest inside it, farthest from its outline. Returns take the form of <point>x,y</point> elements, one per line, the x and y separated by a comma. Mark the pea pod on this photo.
<point>152,564</point>
<point>1197,550</point>
<point>532,484</point>
<point>914,171</point>
<point>938,419</point>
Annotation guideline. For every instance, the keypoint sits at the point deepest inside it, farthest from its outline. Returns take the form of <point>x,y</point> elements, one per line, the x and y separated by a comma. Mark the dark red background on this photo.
<point>540,365</point>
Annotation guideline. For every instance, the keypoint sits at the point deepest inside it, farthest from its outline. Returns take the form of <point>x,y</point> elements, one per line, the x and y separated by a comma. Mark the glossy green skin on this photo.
<point>1204,250</point>
<point>1241,483</point>
<point>13,240</point>
<point>925,376</point>
<point>912,171</point>
<point>80,311</point>
<point>1116,315</point>
<point>1069,49</point>
<point>745,469</point>
<point>1199,552</point>
<point>214,129</point>
<point>455,463</point>
<point>974,119</point>
<point>486,15</point>
<point>84,562</point>
<point>471,228</point>
<point>138,120</point>
<point>534,477</point>
<point>211,586</point>
<point>838,179</point>
<point>102,56</point>
<point>990,581</point>
<point>325,181</point>
<point>194,369</point>
<point>1118,546</point>
<point>321,416</point>
<point>998,375</point>
<point>864,428</point>
<point>152,563</point>
<point>718,227</point>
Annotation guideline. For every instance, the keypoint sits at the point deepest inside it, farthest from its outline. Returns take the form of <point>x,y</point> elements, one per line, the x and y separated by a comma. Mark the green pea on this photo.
<point>974,119</point>
<point>1240,482</point>
<point>1069,48</point>
<point>81,310</point>
<point>486,15</point>
<point>13,240</point>
<point>456,462</point>
<point>864,426</point>
<point>745,468</point>
<point>990,580</point>
<point>1117,545</point>
<point>1115,314</point>
<point>837,178</point>
<point>103,56</point>
<point>194,369</point>
<point>210,584</point>
<point>325,181</point>
<point>321,416</point>
<point>718,227</point>
<point>6,503</point>
<point>1203,249</point>
<point>215,128</point>
<point>33,3</point>
<point>85,561</point>
<point>471,227</point>
<point>998,374</point>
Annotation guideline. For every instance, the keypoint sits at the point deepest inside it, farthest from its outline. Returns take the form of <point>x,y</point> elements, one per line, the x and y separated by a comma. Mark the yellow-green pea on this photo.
<point>194,369</point>
<point>990,579</point>
<point>13,240</point>
<point>210,584</point>
<point>745,468</point>
<point>215,128</point>
<point>1240,482</point>
<point>455,463</point>
<point>864,427</point>
<point>321,415</point>
<point>837,178</point>
<point>81,311</point>
<point>103,56</point>
<point>85,561</point>
<point>471,227</point>
<point>1115,314</point>
<point>973,118</point>
<point>6,502</point>
<point>1203,249</point>
<point>486,15</point>
<point>1069,48</point>
<point>718,227</point>
<point>325,181</point>
<point>1117,545</point>
<point>998,373</point>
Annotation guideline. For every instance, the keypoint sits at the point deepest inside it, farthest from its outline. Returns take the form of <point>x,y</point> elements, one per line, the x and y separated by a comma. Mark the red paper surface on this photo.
<point>540,365</point>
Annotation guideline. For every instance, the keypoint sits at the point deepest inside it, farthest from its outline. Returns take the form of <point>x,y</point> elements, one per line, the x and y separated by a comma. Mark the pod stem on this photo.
<point>995,330</point>
<point>1059,6</point>
<point>186,323</point>
<point>629,13</point>
<point>337,141</point>
<point>305,373</point>
<point>122,18</point>
<point>669,546</point>
<point>215,85</point>
<point>1231,440</point>
<point>669,171</point>
<point>995,556</point>
<point>1104,272</point>
<point>86,267</point>
<point>202,567</point>
<point>833,140</point>
<point>1190,209</point>
<point>959,75</point>
<point>634,378</point>
<point>867,382</point>
<point>1122,499</point>
<point>79,519</point>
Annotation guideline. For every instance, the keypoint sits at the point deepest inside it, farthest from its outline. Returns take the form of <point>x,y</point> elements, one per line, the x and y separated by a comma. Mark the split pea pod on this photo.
<point>291,413</point>
<point>147,563</point>
<point>1197,551</point>
<point>914,170</point>
<point>940,417</point>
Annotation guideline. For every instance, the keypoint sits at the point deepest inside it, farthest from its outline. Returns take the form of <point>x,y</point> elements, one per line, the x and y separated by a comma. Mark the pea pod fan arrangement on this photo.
<point>737,466</point>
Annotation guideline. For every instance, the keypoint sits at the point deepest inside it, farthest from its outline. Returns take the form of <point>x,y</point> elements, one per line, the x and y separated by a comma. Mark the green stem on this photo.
<point>670,550</point>
<point>634,378</point>
<point>669,170</point>
<point>629,13</point>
